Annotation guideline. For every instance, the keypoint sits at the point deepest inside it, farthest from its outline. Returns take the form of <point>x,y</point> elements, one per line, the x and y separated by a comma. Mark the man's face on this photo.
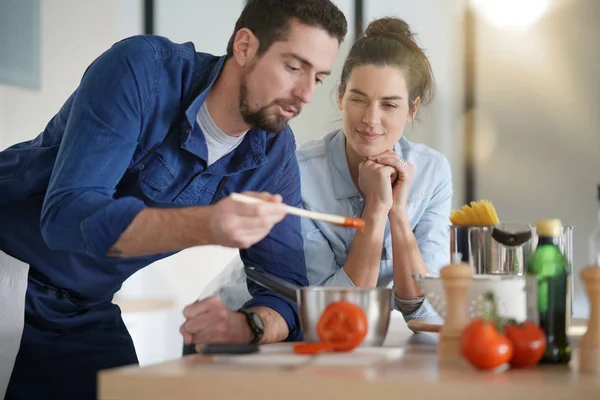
<point>277,85</point>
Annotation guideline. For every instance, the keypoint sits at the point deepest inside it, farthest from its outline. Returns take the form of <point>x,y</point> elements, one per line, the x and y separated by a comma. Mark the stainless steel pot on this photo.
<point>312,300</point>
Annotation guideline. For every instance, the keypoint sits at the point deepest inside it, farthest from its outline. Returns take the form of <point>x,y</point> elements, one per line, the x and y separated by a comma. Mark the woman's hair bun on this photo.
<point>393,28</point>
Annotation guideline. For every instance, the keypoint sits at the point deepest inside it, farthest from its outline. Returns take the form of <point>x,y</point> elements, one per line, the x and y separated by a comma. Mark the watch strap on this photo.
<point>258,331</point>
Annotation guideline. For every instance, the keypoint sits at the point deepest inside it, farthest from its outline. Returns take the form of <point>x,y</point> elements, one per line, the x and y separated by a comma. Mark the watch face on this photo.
<point>258,322</point>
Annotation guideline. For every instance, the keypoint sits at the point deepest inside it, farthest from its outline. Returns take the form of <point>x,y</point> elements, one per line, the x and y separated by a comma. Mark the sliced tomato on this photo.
<point>342,325</point>
<point>311,348</point>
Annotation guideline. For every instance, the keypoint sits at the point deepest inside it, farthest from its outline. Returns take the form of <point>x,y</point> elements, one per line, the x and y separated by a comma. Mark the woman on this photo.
<point>368,168</point>
<point>402,190</point>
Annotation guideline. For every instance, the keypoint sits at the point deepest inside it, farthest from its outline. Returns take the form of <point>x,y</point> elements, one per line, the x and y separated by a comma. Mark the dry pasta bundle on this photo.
<point>476,213</point>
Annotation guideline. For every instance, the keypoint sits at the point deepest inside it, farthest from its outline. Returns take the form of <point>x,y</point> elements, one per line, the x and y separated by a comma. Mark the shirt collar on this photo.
<point>193,140</point>
<point>341,180</point>
<point>207,83</point>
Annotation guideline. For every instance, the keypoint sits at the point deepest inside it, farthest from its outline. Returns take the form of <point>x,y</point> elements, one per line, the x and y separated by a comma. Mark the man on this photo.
<point>139,163</point>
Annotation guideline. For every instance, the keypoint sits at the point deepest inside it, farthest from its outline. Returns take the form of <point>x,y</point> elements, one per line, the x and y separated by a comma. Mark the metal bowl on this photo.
<point>312,300</point>
<point>376,302</point>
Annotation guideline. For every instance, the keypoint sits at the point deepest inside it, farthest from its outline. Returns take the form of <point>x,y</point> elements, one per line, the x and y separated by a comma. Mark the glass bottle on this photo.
<point>548,285</point>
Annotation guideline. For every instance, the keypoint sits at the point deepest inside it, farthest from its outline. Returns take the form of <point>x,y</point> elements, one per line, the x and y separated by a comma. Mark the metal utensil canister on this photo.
<point>504,248</point>
<point>493,249</point>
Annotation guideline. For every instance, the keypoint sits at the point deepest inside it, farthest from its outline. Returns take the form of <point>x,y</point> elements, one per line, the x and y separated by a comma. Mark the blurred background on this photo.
<point>517,86</point>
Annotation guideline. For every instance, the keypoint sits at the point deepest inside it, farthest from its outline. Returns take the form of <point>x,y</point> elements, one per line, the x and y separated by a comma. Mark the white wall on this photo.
<point>538,121</point>
<point>206,23</point>
<point>73,34</point>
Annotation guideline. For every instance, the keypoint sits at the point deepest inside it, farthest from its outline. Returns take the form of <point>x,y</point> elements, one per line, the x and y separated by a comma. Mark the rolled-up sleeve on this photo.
<point>281,253</point>
<point>80,213</point>
<point>425,310</point>
<point>432,232</point>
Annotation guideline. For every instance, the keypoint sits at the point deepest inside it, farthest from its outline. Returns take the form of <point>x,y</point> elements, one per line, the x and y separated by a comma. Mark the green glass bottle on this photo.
<point>548,277</point>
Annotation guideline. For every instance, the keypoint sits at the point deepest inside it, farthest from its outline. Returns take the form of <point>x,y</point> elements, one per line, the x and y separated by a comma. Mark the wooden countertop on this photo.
<point>414,372</point>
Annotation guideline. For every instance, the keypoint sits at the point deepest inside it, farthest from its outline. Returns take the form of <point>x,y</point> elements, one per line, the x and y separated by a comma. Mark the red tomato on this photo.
<point>342,325</point>
<point>484,346</point>
<point>529,343</point>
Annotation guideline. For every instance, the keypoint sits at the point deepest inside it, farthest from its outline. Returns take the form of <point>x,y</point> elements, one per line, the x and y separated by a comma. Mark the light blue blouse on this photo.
<point>328,187</point>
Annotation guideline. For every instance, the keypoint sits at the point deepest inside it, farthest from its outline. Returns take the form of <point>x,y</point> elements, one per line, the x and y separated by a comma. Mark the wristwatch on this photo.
<point>255,323</point>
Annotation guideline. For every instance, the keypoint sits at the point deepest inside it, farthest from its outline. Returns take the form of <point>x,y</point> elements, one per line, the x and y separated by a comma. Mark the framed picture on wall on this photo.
<point>20,43</point>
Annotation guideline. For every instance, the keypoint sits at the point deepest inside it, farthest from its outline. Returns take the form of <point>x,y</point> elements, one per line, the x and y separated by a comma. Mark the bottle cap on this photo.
<point>548,227</point>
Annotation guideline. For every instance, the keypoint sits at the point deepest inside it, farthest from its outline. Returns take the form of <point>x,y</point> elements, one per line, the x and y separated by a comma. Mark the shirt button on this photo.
<point>361,199</point>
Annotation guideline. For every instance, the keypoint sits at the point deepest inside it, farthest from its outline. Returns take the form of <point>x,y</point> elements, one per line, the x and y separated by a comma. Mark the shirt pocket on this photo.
<point>156,179</point>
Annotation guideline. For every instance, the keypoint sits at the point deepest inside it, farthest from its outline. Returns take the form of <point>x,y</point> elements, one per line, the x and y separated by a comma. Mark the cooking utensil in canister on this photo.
<point>493,249</point>
<point>312,300</point>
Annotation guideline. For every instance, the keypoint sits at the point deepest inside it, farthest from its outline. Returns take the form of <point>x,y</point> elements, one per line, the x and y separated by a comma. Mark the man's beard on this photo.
<point>261,118</point>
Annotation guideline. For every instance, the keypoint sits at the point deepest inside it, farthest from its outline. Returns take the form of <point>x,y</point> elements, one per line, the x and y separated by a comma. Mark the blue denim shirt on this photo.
<point>327,187</point>
<point>67,195</point>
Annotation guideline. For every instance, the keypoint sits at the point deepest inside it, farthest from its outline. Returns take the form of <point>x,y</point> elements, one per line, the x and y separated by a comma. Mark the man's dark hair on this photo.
<point>269,20</point>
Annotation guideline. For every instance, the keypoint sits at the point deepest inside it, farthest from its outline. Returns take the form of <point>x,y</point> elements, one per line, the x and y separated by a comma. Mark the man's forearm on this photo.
<point>276,329</point>
<point>157,230</point>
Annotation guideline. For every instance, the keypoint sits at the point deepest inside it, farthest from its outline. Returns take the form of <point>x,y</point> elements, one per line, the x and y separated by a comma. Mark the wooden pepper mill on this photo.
<point>456,280</point>
<point>589,351</point>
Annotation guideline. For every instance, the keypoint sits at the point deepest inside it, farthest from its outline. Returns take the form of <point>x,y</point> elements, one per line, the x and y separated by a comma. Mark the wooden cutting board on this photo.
<point>281,354</point>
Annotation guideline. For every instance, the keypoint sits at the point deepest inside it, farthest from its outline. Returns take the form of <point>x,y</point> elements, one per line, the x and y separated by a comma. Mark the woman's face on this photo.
<point>375,108</point>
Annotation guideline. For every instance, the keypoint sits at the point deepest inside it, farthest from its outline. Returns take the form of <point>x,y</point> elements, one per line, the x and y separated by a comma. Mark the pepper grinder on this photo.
<point>456,280</point>
<point>589,351</point>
